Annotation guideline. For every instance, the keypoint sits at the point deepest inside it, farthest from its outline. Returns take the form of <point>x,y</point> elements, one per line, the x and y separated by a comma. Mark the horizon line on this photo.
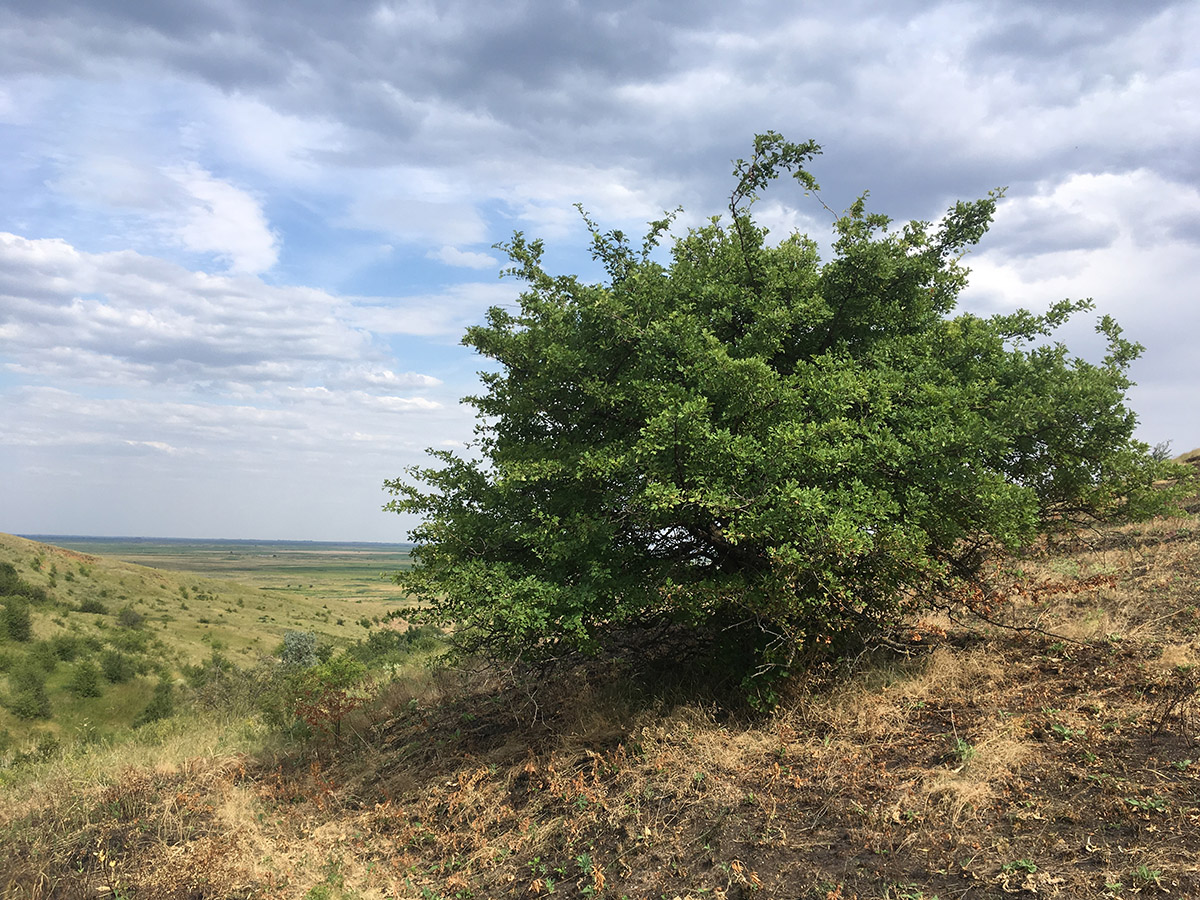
<point>147,537</point>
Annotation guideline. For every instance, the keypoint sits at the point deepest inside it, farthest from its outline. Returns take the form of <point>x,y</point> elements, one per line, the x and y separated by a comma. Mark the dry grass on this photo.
<point>990,761</point>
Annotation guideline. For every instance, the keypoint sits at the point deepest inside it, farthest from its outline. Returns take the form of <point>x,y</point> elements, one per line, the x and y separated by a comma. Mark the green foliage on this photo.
<point>298,650</point>
<point>161,705</point>
<point>11,584</point>
<point>16,622</point>
<point>747,439</point>
<point>42,655</point>
<point>117,667</point>
<point>9,580</point>
<point>28,698</point>
<point>66,646</point>
<point>748,435</point>
<point>219,684</point>
<point>387,645</point>
<point>85,680</point>
<point>129,617</point>
<point>329,691</point>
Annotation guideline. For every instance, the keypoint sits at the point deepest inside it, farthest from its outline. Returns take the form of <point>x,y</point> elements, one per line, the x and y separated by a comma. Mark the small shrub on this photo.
<point>85,680</point>
<point>131,640</point>
<point>161,705</point>
<point>328,692</point>
<point>129,617</point>
<point>28,698</point>
<point>8,577</point>
<point>66,646</point>
<point>92,605</point>
<point>386,645</point>
<point>117,667</point>
<point>16,623</point>
<point>43,656</point>
<point>298,650</point>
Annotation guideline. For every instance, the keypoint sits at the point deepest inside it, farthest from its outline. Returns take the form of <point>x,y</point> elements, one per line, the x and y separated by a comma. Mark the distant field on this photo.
<point>161,605</point>
<point>320,570</point>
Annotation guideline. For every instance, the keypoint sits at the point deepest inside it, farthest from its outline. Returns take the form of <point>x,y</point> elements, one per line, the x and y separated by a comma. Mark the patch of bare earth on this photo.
<point>1057,759</point>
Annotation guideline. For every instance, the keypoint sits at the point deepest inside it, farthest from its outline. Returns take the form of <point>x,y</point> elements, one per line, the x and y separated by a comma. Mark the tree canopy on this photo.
<point>738,436</point>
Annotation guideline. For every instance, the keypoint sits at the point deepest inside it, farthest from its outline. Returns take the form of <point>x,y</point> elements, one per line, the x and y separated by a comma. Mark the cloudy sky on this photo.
<point>239,241</point>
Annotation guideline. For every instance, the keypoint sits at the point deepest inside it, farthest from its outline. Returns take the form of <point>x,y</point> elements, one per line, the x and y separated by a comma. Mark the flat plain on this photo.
<point>315,569</point>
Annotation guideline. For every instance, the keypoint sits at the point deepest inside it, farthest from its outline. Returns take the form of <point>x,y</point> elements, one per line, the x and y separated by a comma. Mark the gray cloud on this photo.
<point>546,80</point>
<point>169,167</point>
<point>136,319</point>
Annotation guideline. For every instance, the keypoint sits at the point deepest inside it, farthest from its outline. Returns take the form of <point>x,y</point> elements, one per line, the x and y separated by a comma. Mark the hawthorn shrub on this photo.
<point>738,439</point>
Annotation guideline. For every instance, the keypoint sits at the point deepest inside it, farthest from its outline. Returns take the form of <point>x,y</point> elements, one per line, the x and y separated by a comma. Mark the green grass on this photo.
<point>183,609</point>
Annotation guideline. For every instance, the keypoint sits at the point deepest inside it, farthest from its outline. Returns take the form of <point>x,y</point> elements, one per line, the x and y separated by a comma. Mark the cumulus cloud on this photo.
<point>1112,238</point>
<point>158,320</point>
<point>196,196</point>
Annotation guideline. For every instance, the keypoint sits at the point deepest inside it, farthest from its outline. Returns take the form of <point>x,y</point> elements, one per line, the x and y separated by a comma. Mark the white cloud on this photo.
<point>452,256</point>
<point>1142,273</point>
<point>160,446</point>
<point>120,180</point>
<point>167,158</point>
<point>441,315</point>
<point>415,206</point>
<point>379,377</point>
<point>125,318</point>
<point>183,205</point>
<point>279,146</point>
<point>224,220</point>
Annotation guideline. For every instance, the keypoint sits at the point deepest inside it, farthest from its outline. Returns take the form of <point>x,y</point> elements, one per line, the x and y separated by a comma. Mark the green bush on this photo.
<point>85,680</point>
<point>298,650</point>
<point>28,698</point>
<point>161,705</point>
<point>42,655</point>
<point>744,441</point>
<point>16,621</point>
<point>328,692</point>
<point>117,667</point>
<point>131,640</point>
<point>12,584</point>
<point>66,646</point>
<point>129,617</point>
<point>388,645</point>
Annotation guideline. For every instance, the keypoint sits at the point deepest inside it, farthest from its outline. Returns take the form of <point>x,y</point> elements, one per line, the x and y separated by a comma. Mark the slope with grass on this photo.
<point>137,626</point>
<point>1042,744</point>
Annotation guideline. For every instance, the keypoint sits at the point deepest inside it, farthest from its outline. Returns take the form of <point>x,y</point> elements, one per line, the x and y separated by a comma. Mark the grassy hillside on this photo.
<point>96,609</point>
<point>1050,750</point>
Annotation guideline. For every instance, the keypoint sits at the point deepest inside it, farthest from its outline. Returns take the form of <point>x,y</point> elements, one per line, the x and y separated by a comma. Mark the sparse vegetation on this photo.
<point>112,620</point>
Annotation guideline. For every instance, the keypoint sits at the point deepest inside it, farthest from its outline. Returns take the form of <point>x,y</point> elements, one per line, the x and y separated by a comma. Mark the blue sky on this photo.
<point>240,242</point>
